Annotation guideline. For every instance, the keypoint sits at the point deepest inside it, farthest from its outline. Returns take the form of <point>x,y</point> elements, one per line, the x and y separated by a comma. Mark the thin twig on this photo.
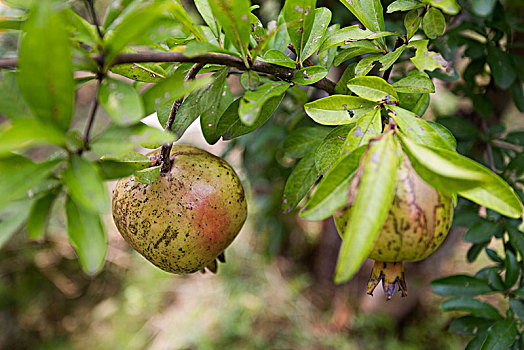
<point>99,78</point>
<point>282,73</point>
<point>94,17</point>
<point>166,148</point>
<point>91,119</point>
<point>489,149</point>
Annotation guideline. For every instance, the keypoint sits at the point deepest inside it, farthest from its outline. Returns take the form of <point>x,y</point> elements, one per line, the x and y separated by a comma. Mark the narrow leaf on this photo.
<point>415,83</point>
<point>460,285</point>
<point>149,175</point>
<point>476,307</point>
<point>233,16</point>
<point>390,58</point>
<point>121,102</point>
<point>404,5</point>
<point>253,101</point>
<point>299,182</point>
<point>338,109</point>
<point>433,23</point>
<point>368,12</point>
<point>329,152</point>
<point>331,193</point>
<point>372,88</point>
<point>39,216</point>
<point>309,75</point>
<point>371,205</point>
<point>86,235</point>
<point>85,185</point>
<point>299,16</point>
<point>318,31</point>
<point>500,336</point>
<point>46,79</point>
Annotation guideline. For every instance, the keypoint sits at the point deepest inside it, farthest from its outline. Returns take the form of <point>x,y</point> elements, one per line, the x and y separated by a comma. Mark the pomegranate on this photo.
<point>417,223</point>
<point>187,217</point>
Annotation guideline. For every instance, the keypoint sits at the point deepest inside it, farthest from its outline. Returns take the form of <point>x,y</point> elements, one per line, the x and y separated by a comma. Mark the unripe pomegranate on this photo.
<point>417,223</point>
<point>185,219</point>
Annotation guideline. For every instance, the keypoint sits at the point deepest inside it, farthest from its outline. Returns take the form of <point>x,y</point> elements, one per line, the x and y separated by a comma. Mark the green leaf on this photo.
<point>302,140</point>
<point>46,79</point>
<point>495,194</point>
<point>115,167</point>
<point>299,182</point>
<point>116,9</point>
<point>469,325</point>
<point>233,16</point>
<point>404,5</point>
<point>85,185</point>
<point>249,80</point>
<point>445,170</point>
<point>23,178</point>
<point>349,34</point>
<point>372,88</point>
<point>495,281</point>
<point>368,12</point>
<point>516,239</point>
<point>205,103</point>
<point>372,202</point>
<point>424,59</point>
<point>417,129</point>
<point>433,23</point>
<point>12,104</point>
<point>253,101</point>
<point>230,126</point>
<point>483,7</point>
<point>309,75</point>
<point>415,83</point>
<point>86,235</point>
<point>512,270</point>
<point>205,11</point>
<point>331,193</point>
<point>116,140</point>
<point>326,57</point>
<point>357,48</point>
<point>476,307</point>
<point>518,307</point>
<point>148,175</point>
<point>210,119</point>
<point>134,24</point>
<point>178,12</point>
<point>338,109</point>
<point>121,102</point>
<point>448,6</point>
<point>146,72</point>
<point>391,57</point>
<point>39,215</point>
<point>170,89</point>
<point>500,336</point>
<point>367,127</point>
<point>476,342</point>
<point>366,64</point>
<point>12,218</point>
<point>329,152</point>
<point>318,31</point>
<point>481,231</point>
<point>501,66</point>
<point>299,16</point>
<point>279,58</point>
<point>412,23</point>
<point>26,133</point>
<point>460,285</point>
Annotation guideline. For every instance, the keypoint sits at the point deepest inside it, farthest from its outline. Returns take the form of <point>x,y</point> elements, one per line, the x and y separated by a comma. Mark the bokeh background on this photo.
<point>274,292</point>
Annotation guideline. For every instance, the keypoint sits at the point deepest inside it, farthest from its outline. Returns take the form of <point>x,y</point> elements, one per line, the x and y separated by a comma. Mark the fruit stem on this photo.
<point>166,148</point>
<point>392,275</point>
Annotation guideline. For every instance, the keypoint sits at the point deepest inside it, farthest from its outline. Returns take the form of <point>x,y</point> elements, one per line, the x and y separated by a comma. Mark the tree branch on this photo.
<point>282,73</point>
<point>166,148</point>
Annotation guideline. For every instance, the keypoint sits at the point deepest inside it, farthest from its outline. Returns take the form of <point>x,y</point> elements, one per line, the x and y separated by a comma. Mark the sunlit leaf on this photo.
<point>338,109</point>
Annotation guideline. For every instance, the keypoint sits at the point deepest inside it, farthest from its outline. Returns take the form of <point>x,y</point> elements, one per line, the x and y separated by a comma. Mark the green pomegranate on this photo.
<point>417,223</point>
<point>187,217</point>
